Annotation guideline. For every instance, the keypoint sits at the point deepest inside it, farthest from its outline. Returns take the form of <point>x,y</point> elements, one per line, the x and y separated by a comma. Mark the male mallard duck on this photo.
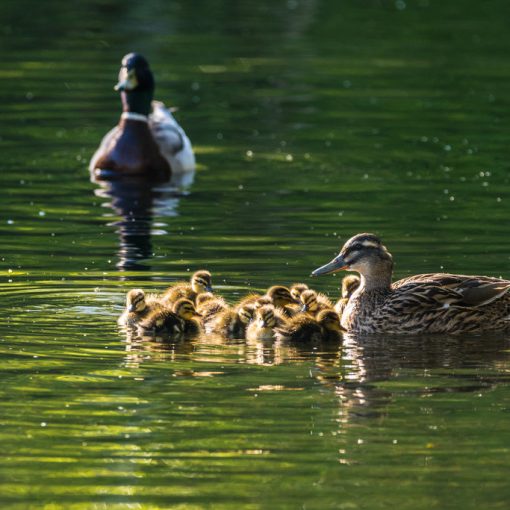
<point>232,322</point>
<point>144,143</point>
<point>177,322</point>
<point>426,303</point>
<point>304,328</point>
<point>265,320</point>
<point>349,284</point>
<point>138,305</point>
<point>201,281</point>
<point>314,302</point>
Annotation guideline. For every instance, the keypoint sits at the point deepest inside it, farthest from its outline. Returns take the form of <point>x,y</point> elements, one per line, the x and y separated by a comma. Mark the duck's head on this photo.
<point>135,301</point>
<point>329,320</point>
<point>349,284</point>
<point>280,296</point>
<point>245,313</point>
<point>185,309</point>
<point>363,253</point>
<point>297,289</point>
<point>265,316</point>
<point>308,300</point>
<point>201,281</point>
<point>136,84</point>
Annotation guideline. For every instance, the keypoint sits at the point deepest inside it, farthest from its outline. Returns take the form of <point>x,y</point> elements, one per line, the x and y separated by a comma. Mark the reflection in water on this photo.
<point>136,202</point>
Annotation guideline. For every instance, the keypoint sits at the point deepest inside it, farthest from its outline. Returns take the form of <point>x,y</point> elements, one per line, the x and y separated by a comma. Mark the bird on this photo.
<point>262,326</point>
<point>200,281</point>
<point>147,142</point>
<point>209,307</point>
<point>305,328</point>
<point>277,295</point>
<point>313,302</point>
<point>138,305</point>
<point>232,322</point>
<point>423,303</point>
<point>297,289</point>
<point>177,322</point>
<point>349,284</point>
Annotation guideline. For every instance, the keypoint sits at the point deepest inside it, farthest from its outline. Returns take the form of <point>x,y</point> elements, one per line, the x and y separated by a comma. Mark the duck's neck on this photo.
<point>377,278</point>
<point>137,101</point>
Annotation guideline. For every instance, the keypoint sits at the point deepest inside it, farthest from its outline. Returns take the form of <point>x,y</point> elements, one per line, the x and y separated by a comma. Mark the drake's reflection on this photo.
<point>135,202</point>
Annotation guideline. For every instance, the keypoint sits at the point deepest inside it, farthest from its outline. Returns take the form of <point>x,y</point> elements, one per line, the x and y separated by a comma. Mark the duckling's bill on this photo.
<point>337,264</point>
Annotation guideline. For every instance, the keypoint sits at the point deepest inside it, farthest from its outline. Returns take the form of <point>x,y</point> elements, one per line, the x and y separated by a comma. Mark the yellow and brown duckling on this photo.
<point>314,302</point>
<point>305,328</point>
<point>349,284</point>
<point>425,303</point>
<point>138,305</point>
<point>297,289</point>
<point>201,281</point>
<point>147,142</point>
<point>178,322</point>
<point>232,323</point>
<point>209,307</point>
<point>264,322</point>
<point>277,295</point>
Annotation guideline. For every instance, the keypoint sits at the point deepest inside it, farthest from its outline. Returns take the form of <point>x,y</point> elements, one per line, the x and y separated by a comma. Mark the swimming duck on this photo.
<point>232,322</point>
<point>277,295</point>
<point>200,281</point>
<point>266,318</point>
<point>305,328</point>
<point>145,143</point>
<point>176,323</point>
<point>314,302</point>
<point>349,284</point>
<point>138,305</point>
<point>209,307</point>
<point>297,289</point>
<point>425,303</point>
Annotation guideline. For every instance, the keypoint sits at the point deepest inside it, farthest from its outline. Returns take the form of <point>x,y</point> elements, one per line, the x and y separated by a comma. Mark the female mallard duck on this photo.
<point>426,303</point>
<point>265,320</point>
<point>178,322</point>
<point>232,322</point>
<point>138,305</point>
<point>349,284</point>
<point>144,143</point>
<point>304,328</point>
<point>201,281</point>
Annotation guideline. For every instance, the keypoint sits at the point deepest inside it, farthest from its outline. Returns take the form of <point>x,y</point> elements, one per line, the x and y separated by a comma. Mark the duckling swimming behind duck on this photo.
<point>349,284</point>
<point>305,328</point>
<point>144,143</point>
<point>232,323</point>
<point>314,302</point>
<point>138,305</point>
<point>262,327</point>
<point>426,303</point>
<point>209,307</point>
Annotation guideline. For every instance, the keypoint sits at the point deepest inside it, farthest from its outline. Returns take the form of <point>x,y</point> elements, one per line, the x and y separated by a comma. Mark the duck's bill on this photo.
<point>337,264</point>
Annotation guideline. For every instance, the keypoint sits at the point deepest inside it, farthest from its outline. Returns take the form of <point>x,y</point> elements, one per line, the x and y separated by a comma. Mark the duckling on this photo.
<point>349,284</point>
<point>424,303</point>
<point>138,305</point>
<point>201,281</point>
<point>305,328</point>
<point>314,302</point>
<point>209,306</point>
<point>297,289</point>
<point>263,324</point>
<point>178,322</point>
<point>232,322</point>
<point>144,143</point>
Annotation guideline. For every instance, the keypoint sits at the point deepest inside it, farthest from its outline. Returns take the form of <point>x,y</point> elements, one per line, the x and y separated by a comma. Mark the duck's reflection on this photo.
<point>134,204</point>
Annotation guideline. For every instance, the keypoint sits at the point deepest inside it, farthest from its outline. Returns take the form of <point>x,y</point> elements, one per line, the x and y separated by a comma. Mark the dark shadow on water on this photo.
<point>134,204</point>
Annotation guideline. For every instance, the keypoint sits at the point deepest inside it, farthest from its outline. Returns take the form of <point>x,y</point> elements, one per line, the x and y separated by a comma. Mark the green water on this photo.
<point>312,120</point>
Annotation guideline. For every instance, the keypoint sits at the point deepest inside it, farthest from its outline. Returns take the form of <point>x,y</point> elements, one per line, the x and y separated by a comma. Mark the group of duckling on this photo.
<point>188,309</point>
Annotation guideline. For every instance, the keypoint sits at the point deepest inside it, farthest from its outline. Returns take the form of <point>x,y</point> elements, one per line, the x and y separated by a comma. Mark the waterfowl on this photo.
<point>138,305</point>
<point>305,328</point>
<point>209,307</point>
<point>147,141</point>
<point>178,322</point>
<point>265,320</point>
<point>297,289</point>
<point>349,284</point>
<point>424,303</point>
<point>200,281</point>
<point>314,302</point>
<point>232,322</point>
<point>277,295</point>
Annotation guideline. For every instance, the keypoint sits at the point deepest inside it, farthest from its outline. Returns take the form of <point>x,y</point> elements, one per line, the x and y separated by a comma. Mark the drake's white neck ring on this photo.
<point>134,116</point>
